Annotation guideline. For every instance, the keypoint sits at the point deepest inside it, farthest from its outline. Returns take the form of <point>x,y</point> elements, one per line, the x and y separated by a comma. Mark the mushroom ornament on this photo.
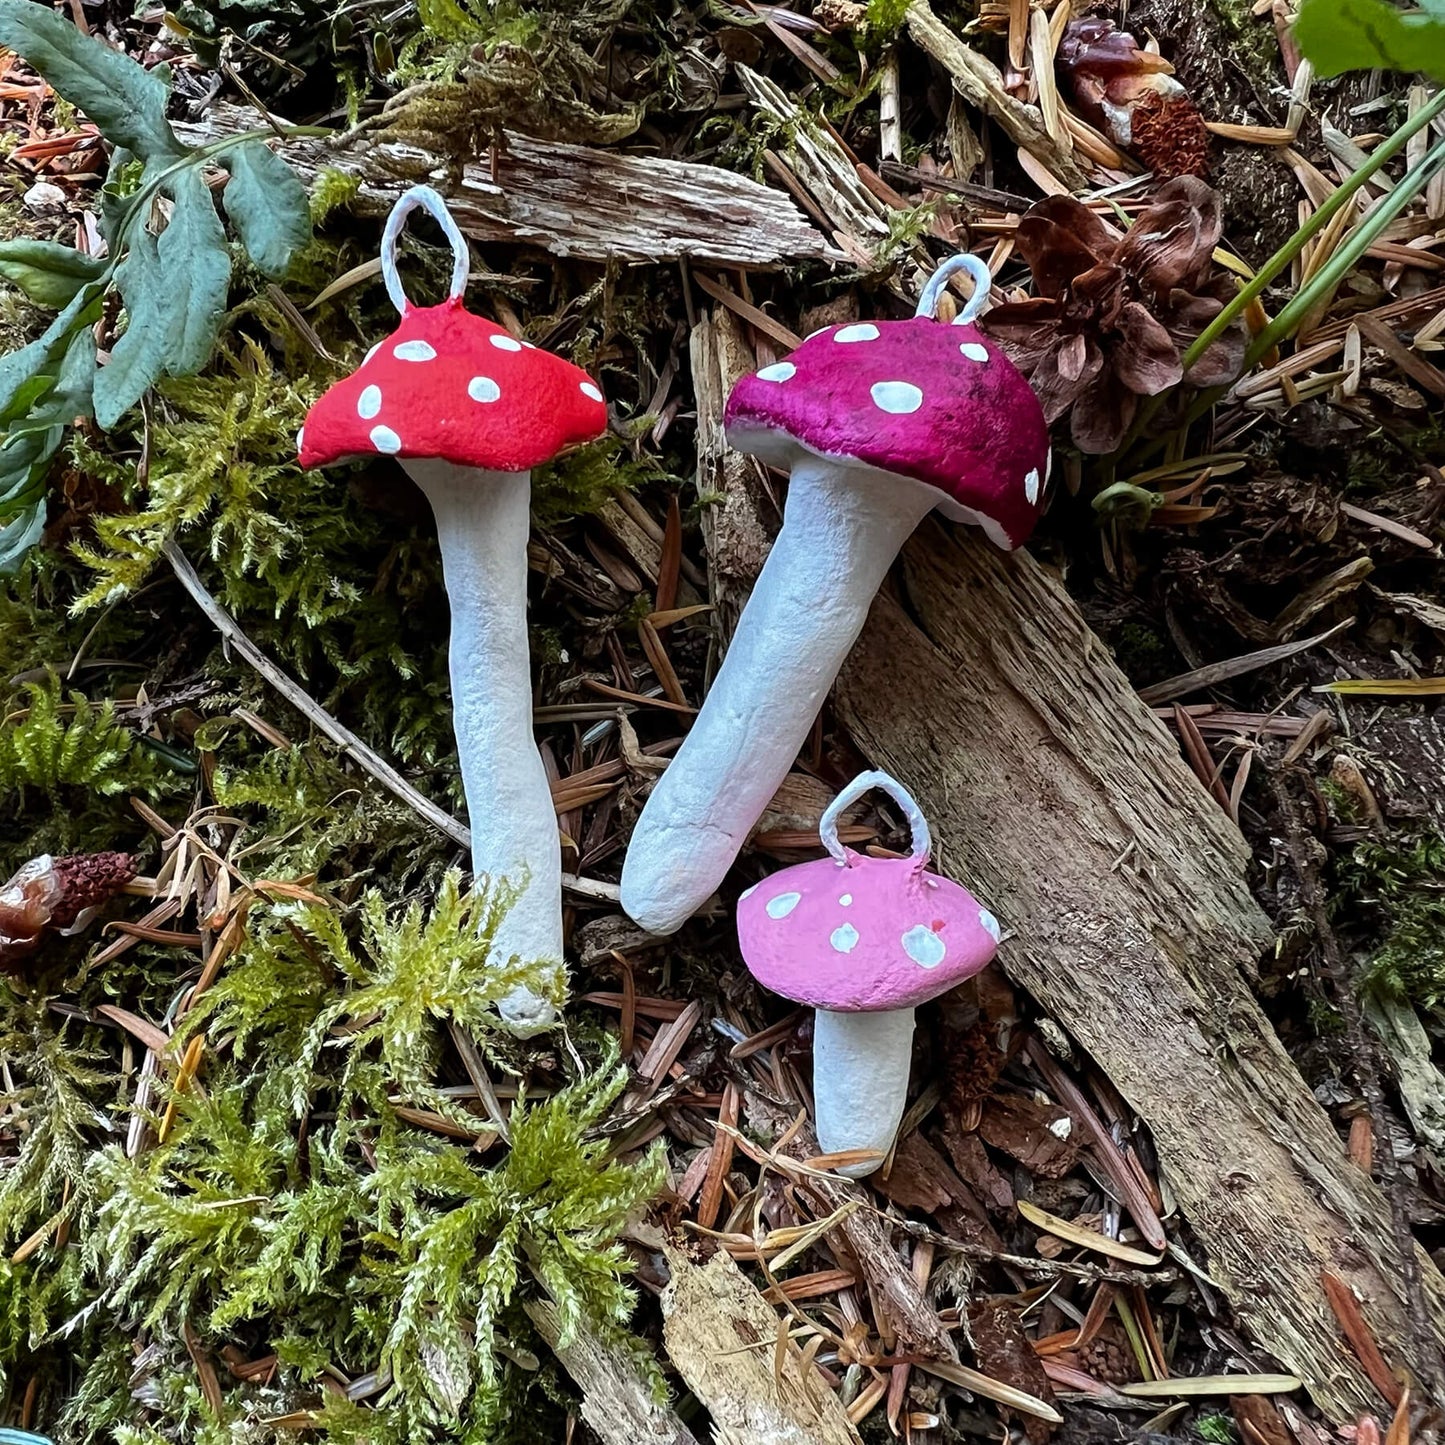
<point>468,410</point>
<point>878,423</point>
<point>864,941</point>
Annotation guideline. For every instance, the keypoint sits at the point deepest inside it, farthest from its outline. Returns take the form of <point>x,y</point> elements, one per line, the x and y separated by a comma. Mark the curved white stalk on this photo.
<point>483,521</point>
<point>860,1081</point>
<point>842,528</point>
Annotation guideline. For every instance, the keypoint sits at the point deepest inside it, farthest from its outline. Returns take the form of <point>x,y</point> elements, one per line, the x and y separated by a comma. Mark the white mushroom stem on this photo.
<point>842,528</point>
<point>483,522</point>
<point>860,1081</point>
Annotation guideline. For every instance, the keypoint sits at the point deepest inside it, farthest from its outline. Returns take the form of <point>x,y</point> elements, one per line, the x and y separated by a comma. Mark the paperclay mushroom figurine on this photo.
<point>469,410</point>
<point>864,941</point>
<point>878,423</point>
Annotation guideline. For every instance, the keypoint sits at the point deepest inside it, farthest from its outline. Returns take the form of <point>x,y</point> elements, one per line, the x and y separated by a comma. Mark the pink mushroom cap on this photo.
<point>934,402</point>
<point>863,936</point>
<point>451,385</point>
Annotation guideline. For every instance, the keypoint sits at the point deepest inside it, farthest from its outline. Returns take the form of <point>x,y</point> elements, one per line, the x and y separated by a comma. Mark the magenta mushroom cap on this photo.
<point>864,936</point>
<point>447,384</point>
<point>922,399</point>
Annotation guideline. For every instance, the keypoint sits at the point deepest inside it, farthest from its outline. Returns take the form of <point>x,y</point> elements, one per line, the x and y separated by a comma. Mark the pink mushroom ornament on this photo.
<point>877,423</point>
<point>864,941</point>
<point>468,410</point>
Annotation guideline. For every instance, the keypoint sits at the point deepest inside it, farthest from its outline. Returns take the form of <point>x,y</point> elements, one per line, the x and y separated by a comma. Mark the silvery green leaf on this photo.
<point>267,205</point>
<point>124,99</point>
<point>175,291</point>
<point>19,535</point>
<point>48,273</point>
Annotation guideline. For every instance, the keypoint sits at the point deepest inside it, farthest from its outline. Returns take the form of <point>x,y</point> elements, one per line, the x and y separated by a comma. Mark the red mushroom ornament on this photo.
<point>469,410</point>
<point>877,423</point>
<point>864,941</point>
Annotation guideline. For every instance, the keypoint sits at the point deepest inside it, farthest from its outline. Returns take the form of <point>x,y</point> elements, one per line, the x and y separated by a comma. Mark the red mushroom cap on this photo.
<point>450,385</point>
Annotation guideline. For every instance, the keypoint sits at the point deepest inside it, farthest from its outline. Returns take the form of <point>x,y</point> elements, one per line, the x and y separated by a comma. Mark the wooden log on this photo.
<point>723,1337</point>
<point>596,205</point>
<point>733,521</point>
<point>1058,797</point>
<point>617,1402</point>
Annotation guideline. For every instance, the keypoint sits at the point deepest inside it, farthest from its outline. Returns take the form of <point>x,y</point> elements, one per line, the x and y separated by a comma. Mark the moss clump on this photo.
<point>1401,884</point>
<point>300,1179</point>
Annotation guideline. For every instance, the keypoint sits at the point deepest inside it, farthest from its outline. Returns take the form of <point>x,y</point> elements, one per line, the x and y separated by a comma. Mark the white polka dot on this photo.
<point>530,345</point>
<point>369,402</point>
<point>370,353</point>
<point>748,892</point>
<point>483,388</point>
<point>863,331</point>
<point>897,397</point>
<point>783,904</point>
<point>301,439</point>
<point>924,946</point>
<point>385,440</point>
<point>973,351</point>
<point>844,938</point>
<point>779,371</point>
<point>1031,486</point>
<point>590,391</point>
<point>989,924</point>
<point>846,900</point>
<point>415,351</point>
<point>505,343</point>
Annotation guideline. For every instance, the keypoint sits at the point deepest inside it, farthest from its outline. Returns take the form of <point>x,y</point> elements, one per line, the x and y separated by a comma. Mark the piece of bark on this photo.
<point>976,78</point>
<point>571,200</point>
<point>733,528</point>
<point>722,1335</point>
<point>976,1169</point>
<point>921,1179</point>
<point>1005,1353</point>
<point>1059,799</point>
<point>899,1305</point>
<point>1039,1136</point>
<point>617,1403</point>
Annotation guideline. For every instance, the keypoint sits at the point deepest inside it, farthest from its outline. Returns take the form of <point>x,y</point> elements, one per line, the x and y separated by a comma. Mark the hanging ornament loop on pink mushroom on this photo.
<point>468,410</point>
<point>864,941</point>
<point>877,423</point>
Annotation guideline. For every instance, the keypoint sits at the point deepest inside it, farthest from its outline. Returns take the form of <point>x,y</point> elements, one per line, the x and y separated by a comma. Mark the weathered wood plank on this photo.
<point>571,200</point>
<point>733,525</point>
<point>1058,797</point>
<point>617,1402</point>
<point>722,1335</point>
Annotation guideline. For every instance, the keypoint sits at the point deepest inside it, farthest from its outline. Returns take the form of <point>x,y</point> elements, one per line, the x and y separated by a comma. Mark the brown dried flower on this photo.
<point>56,894</point>
<point>1131,96</point>
<point>1113,312</point>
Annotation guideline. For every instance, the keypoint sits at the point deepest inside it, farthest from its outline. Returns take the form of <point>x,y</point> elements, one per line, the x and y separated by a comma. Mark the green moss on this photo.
<point>1400,883</point>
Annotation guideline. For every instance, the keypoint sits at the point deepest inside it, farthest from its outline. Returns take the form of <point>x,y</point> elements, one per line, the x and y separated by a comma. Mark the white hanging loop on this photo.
<point>977,268</point>
<point>426,199</point>
<point>865,783</point>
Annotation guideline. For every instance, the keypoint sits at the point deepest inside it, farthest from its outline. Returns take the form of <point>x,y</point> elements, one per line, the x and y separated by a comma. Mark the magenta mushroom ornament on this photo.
<point>468,410</point>
<point>877,423</point>
<point>864,941</point>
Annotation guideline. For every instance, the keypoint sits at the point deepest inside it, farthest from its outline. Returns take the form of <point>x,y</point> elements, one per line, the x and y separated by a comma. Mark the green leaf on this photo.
<point>267,205</point>
<point>125,100</point>
<point>1339,35</point>
<point>48,273</point>
<point>197,267</point>
<point>19,535</point>
<point>175,295</point>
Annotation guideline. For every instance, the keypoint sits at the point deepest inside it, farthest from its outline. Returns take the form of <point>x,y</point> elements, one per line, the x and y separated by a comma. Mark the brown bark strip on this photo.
<point>1058,797</point>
